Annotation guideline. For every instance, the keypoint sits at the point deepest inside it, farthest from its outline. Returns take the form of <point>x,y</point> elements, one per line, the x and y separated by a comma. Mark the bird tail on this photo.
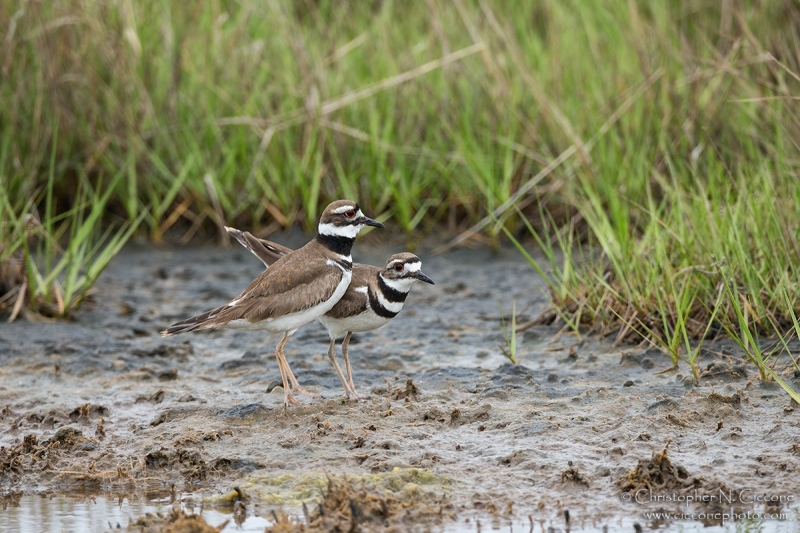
<point>202,321</point>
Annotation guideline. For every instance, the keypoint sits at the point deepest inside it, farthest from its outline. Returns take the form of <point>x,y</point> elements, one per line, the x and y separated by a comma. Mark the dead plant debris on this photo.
<point>175,521</point>
<point>659,475</point>
<point>30,455</point>
<point>347,508</point>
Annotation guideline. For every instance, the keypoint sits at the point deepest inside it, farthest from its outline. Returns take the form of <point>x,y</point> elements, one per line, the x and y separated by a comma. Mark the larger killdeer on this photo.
<point>299,287</point>
<point>374,296</point>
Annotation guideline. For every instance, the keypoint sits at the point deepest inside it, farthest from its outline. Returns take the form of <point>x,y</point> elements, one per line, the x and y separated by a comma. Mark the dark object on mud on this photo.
<point>726,370</point>
<point>409,393</point>
<point>175,521</point>
<point>733,399</point>
<point>178,351</point>
<point>168,375</point>
<point>245,411</point>
<point>67,438</point>
<point>511,375</point>
<point>87,411</point>
<point>156,397</point>
<point>345,508</point>
<point>572,474</point>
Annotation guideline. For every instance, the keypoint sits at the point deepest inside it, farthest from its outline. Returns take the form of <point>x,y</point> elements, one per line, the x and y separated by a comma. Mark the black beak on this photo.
<point>366,221</point>
<point>422,277</point>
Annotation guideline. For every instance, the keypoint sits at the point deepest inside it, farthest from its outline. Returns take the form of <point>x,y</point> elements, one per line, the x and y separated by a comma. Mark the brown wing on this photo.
<point>290,285</point>
<point>295,282</point>
<point>354,302</point>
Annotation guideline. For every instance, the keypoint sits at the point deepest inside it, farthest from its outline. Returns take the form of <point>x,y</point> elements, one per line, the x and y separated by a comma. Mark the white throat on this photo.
<point>332,230</point>
<point>402,285</point>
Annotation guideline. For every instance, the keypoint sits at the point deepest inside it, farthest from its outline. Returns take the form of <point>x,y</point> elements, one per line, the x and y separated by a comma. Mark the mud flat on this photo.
<point>103,415</point>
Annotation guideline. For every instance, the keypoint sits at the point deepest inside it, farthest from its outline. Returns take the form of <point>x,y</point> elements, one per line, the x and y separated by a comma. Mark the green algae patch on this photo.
<point>309,487</point>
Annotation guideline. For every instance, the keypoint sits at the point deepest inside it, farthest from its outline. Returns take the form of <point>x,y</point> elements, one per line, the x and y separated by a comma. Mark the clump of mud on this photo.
<point>659,475</point>
<point>347,508</point>
<point>409,393</point>
<point>175,521</point>
<point>31,455</point>
<point>572,474</point>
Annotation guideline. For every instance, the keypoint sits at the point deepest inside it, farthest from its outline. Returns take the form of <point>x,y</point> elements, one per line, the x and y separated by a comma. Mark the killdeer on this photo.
<point>374,296</point>
<point>299,287</point>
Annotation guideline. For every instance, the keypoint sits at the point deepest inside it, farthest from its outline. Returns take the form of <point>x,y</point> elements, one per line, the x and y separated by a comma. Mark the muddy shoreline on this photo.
<point>103,405</point>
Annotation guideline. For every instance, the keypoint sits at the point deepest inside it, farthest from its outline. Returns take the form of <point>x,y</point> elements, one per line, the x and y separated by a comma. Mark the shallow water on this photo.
<point>146,412</point>
<point>56,514</point>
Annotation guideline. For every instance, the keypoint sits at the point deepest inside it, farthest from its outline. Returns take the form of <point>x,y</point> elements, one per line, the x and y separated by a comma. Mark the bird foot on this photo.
<point>288,399</point>
<point>353,395</point>
<point>304,392</point>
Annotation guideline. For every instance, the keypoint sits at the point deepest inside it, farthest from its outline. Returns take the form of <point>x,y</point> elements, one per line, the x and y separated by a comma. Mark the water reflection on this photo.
<point>60,513</point>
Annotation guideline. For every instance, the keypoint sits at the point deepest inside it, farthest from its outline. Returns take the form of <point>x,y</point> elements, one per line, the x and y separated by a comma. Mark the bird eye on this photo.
<point>350,214</point>
<point>399,267</point>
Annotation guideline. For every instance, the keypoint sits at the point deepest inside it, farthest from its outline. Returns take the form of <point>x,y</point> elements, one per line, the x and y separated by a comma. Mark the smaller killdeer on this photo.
<point>374,296</point>
<point>300,287</point>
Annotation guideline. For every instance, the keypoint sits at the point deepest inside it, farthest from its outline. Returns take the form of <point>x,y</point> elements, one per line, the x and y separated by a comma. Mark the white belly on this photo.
<point>294,321</point>
<point>366,321</point>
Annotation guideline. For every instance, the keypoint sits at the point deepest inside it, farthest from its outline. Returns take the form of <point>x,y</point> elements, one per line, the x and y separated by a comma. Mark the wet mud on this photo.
<point>453,433</point>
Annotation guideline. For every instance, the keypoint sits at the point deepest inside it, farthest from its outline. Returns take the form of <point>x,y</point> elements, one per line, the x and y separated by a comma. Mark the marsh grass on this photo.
<point>40,275</point>
<point>700,262</point>
<point>431,112</point>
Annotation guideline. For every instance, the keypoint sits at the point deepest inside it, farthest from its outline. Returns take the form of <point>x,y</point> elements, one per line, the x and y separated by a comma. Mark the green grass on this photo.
<point>428,111</point>
<point>36,273</point>
<point>509,349</point>
<point>650,146</point>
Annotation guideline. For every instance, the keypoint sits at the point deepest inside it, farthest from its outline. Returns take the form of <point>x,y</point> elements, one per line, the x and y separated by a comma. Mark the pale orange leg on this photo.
<point>351,395</point>
<point>288,398</point>
<point>293,380</point>
<point>346,354</point>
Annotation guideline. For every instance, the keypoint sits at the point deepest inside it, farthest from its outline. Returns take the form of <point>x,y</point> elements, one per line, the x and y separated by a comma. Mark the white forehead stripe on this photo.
<point>344,208</point>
